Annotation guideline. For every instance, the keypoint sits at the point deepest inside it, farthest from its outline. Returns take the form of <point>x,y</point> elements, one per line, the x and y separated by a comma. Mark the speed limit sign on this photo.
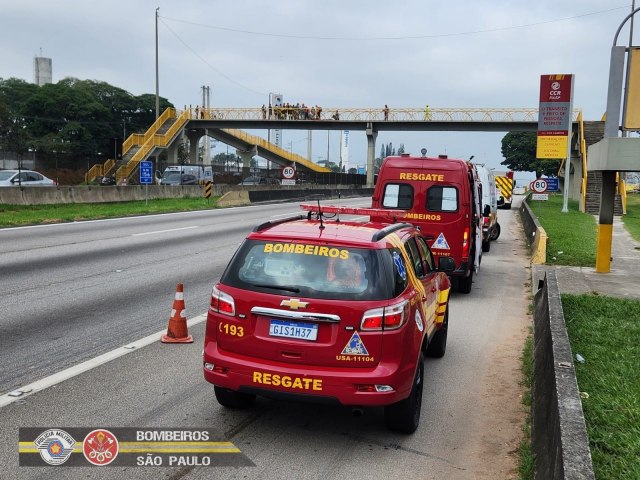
<point>539,185</point>
<point>288,172</point>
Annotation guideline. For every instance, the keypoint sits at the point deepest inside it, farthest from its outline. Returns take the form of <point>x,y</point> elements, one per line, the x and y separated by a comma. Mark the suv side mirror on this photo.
<point>487,210</point>
<point>446,264</point>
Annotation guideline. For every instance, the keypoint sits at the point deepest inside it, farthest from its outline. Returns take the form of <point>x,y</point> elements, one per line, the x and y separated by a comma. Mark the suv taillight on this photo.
<point>222,303</point>
<point>385,318</point>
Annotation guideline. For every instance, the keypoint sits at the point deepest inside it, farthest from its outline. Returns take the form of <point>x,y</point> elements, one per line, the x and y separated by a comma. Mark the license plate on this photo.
<point>302,331</point>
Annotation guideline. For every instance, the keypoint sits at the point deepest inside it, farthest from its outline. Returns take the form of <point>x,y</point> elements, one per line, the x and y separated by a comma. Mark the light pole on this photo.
<point>157,72</point>
<point>602,160</point>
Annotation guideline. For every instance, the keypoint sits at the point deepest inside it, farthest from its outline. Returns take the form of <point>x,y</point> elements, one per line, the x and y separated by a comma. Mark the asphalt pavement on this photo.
<point>623,280</point>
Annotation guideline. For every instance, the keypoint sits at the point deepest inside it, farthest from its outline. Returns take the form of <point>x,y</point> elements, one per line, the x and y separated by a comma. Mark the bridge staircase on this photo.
<point>139,147</point>
<point>590,133</point>
<point>266,149</point>
<point>167,127</point>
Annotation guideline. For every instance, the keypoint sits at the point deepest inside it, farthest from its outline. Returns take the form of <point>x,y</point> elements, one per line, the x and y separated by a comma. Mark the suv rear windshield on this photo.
<point>313,271</point>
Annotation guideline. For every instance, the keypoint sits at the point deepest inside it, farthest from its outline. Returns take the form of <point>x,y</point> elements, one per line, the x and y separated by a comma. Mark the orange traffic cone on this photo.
<point>177,331</point>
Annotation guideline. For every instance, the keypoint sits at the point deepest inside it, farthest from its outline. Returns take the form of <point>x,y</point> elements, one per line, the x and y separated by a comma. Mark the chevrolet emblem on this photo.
<point>293,303</point>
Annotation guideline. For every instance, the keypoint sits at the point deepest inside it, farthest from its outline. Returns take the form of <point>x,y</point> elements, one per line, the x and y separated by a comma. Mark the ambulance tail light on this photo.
<point>385,318</point>
<point>465,242</point>
<point>222,303</point>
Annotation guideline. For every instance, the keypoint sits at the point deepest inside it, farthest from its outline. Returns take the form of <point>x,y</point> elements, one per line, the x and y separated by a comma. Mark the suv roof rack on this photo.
<point>392,215</point>
<point>383,232</point>
<point>272,223</point>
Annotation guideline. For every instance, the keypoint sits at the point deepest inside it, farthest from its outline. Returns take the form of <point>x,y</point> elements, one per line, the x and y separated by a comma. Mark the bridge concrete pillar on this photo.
<point>371,153</point>
<point>194,137</point>
<point>172,150</point>
<point>246,156</point>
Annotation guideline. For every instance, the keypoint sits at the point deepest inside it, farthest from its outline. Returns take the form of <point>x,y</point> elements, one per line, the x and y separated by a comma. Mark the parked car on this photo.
<point>25,178</point>
<point>259,181</point>
<point>178,178</point>
<point>330,310</point>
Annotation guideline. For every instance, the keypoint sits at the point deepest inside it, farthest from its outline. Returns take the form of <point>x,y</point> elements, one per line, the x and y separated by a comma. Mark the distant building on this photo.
<point>42,71</point>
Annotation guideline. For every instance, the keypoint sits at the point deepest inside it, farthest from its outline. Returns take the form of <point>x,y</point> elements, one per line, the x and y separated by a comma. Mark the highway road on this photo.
<point>72,292</point>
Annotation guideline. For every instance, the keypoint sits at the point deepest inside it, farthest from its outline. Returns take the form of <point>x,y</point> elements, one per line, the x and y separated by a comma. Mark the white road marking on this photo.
<point>87,365</point>
<point>163,231</point>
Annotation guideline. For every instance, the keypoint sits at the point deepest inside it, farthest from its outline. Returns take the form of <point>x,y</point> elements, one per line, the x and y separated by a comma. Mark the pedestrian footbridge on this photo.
<point>227,124</point>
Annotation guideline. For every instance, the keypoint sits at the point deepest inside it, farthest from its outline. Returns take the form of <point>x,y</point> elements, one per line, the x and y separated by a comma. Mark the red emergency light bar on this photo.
<point>379,212</point>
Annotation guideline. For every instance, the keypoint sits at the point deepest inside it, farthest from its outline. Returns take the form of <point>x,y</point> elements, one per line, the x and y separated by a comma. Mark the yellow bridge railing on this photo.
<point>293,157</point>
<point>373,114</point>
<point>152,140</point>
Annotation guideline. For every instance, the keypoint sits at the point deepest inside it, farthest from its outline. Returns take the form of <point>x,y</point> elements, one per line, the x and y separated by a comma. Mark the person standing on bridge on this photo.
<point>427,113</point>
<point>264,112</point>
<point>386,112</point>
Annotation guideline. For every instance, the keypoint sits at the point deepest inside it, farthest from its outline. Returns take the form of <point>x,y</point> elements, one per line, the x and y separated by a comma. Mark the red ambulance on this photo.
<point>442,196</point>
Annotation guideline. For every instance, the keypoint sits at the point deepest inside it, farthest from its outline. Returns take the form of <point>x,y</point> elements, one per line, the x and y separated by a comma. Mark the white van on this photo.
<point>490,225</point>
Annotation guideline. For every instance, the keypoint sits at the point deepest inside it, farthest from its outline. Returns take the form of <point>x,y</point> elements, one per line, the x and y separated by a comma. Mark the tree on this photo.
<point>519,152</point>
<point>80,119</point>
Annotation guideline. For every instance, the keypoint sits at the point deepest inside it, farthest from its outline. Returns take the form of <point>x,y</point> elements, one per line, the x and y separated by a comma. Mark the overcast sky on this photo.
<point>334,53</point>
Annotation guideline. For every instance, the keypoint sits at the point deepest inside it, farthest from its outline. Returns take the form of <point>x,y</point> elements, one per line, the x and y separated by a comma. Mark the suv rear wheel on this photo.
<point>438,344</point>
<point>464,283</point>
<point>495,233</point>
<point>232,399</point>
<point>404,416</point>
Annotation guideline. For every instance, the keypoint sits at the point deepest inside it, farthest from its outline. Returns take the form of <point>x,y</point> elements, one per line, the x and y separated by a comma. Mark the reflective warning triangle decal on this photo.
<point>441,243</point>
<point>355,346</point>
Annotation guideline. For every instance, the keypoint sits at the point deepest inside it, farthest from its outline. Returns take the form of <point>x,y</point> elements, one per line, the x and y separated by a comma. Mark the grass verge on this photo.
<point>16,215</point>
<point>572,236</point>
<point>605,331</point>
<point>632,218</point>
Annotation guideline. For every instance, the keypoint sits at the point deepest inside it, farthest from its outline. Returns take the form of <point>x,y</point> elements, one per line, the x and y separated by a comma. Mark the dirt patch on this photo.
<point>503,413</point>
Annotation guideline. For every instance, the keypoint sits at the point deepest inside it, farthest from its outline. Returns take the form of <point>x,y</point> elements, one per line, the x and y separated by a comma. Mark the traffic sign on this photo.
<point>288,172</point>
<point>146,173</point>
<point>539,185</point>
<point>208,187</point>
<point>552,184</point>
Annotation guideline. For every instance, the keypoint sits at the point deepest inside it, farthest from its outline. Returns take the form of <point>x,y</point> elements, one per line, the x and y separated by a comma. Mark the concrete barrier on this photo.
<point>559,434</point>
<point>231,195</point>
<point>536,235</point>
<point>94,194</point>
<point>236,198</point>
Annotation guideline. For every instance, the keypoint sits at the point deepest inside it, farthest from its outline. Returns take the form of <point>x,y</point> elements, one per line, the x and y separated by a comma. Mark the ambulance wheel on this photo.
<point>486,246</point>
<point>464,283</point>
<point>404,416</point>
<point>438,344</point>
<point>495,233</point>
<point>232,399</point>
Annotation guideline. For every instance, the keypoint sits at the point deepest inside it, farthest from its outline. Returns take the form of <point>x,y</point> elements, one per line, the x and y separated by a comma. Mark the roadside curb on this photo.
<point>536,235</point>
<point>559,435</point>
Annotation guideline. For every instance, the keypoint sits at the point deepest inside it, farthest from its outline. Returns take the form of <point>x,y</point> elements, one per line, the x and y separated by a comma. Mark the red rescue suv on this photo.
<point>338,312</point>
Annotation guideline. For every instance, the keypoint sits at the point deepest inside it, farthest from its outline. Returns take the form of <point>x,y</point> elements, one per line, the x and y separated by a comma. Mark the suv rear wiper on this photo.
<point>277,287</point>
